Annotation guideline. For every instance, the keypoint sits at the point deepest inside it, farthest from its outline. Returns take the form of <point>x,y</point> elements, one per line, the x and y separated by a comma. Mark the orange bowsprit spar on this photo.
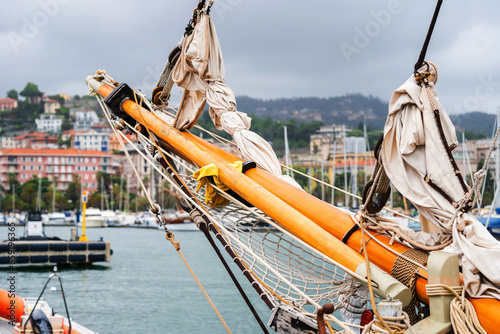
<point>288,217</point>
<point>315,222</point>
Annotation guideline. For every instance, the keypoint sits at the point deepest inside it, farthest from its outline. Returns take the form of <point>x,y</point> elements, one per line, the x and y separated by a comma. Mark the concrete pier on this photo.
<point>27,252</point>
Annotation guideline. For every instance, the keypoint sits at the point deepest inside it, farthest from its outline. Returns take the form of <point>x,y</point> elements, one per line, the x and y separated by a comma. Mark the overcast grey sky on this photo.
<point>271,48</point>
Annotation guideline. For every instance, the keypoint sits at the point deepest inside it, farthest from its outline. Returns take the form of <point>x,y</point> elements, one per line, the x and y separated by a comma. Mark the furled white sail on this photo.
<point>200,71</point>
<point>414,156</point>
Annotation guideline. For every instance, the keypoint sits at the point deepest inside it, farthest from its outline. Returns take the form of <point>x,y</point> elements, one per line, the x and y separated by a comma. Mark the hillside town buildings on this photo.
<point>58,165</point>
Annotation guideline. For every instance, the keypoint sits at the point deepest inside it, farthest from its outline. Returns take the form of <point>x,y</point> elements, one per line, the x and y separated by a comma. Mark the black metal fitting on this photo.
<point>119,95</point>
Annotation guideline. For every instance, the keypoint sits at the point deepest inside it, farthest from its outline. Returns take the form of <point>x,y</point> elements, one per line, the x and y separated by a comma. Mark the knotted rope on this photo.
<point>463,315</point>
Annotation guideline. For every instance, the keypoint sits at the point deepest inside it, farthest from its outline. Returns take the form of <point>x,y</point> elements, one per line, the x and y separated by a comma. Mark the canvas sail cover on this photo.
<point>200,71</point>
<point>415,159</point>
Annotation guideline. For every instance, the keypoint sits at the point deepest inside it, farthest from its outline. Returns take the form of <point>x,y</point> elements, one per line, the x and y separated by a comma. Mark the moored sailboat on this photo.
<point>250,189</point>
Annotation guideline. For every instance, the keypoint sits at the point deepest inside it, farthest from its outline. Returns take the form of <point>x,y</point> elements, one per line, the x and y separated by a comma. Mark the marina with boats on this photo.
<point>296,262</point>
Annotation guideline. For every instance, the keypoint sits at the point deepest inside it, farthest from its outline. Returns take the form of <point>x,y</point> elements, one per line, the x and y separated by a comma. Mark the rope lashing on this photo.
<point>462,313</point>
<point>407,273</point>
<point>421,58</point>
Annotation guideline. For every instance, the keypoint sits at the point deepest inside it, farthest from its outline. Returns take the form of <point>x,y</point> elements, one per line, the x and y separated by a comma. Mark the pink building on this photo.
<point>63,163</point>
<point>7,104</point>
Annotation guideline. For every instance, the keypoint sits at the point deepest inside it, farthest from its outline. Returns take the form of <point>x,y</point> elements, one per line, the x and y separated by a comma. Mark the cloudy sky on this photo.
<point>271,48</point>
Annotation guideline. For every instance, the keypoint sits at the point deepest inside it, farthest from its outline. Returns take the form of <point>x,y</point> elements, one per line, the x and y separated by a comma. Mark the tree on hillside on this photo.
<point>31,91</point>
<point>66,124</point>
<point>103,180</point>
<point>14,183</point>
<point>94,200</point>
<point>12,94</point>
<point>74,191</point>
<point>58,98</point>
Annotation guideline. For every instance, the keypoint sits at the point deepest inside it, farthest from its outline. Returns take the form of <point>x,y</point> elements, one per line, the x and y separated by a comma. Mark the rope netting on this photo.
<point>290,271</point>
<point>262,245</point>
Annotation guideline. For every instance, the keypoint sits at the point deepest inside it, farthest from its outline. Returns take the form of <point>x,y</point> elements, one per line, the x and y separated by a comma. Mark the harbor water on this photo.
<point>146,288</point>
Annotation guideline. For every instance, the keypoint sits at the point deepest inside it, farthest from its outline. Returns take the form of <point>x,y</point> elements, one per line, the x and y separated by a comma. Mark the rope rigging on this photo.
<point>236,241</point>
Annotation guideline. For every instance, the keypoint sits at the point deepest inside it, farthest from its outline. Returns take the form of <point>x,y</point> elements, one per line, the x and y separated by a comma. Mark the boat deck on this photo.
<point>5,328</point>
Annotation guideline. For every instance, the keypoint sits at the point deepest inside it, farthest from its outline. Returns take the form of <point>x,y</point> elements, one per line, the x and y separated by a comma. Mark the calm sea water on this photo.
<point>146,288</point>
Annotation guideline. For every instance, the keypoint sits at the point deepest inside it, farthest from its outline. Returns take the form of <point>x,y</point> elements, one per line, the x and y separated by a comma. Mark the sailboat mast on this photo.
<point>287,151</point>
<point>322,180</point>
<point>102,194</point>
<point>464,156</point>
<point>367,150</point>
<point>334,172</point>
<point>127,195</point>
<point>39,196</point>
<point>355,176</point>
<point>120,194</point>
<point>497,162</point>
<point>345,167</point>
<point>54,198</point>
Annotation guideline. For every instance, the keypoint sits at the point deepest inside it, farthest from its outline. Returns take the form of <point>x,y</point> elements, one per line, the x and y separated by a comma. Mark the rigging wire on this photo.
<point>169,235</point>
<point>230,144</point>
<point>268,220</point>
<point>204,230</point>
<point>270,268</point>
<point>421,57</point>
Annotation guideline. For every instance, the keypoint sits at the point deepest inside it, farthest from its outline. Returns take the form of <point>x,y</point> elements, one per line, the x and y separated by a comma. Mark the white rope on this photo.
<point>106,113</point>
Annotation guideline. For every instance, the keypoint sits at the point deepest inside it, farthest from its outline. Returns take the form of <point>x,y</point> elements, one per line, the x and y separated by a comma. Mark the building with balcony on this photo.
<point>7,104</point>
<point>51,106</point>
<point>51,163</point>
<point>84,120</point>
<point>91,140</point>
<point>49,123</point>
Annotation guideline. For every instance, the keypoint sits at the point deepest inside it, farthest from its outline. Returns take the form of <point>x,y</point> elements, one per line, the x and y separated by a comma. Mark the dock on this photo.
<point>28,252</point>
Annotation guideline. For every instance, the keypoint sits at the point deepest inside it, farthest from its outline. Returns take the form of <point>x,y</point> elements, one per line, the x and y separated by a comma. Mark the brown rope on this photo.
<point>406,272</point>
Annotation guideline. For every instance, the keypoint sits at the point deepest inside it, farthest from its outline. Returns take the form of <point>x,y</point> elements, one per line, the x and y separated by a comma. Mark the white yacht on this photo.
<point>55,218</point>
<point>93,218</point>
<point>110,218</point>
